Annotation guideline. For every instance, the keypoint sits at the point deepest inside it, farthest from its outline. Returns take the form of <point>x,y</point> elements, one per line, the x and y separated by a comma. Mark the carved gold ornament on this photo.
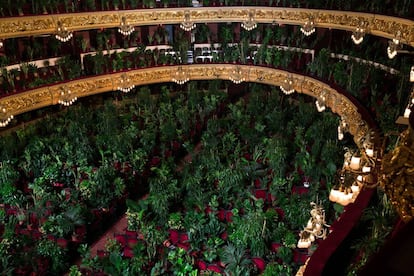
<point>397,177</point>
<point>50,95</point>
<point>378,25</point>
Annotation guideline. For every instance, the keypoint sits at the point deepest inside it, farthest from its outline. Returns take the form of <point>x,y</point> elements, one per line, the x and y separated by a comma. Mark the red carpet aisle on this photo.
<point>118,227</point>
<point>121,225</point>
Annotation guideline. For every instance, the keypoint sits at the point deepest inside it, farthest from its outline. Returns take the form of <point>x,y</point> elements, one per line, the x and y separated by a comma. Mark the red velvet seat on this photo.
<point>174,236</point>
<point>259,263</point>
<point>128,253</point>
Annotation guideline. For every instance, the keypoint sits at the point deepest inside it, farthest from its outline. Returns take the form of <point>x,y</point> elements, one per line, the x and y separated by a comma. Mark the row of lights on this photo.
<point>63,35</point>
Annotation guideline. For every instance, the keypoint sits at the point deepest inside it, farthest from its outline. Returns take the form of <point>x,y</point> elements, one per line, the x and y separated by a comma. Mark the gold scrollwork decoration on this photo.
<point>42,97</point>
<point>378,25</point>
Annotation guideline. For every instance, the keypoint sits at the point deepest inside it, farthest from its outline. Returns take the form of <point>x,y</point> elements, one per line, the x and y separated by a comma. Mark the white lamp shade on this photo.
<point>303,244</point>
<point>366,169</point>
<point>355,161</point>
<point>407,112</point>
<point>334,195</point>
<point>355,188</point>
<point>369,152</point>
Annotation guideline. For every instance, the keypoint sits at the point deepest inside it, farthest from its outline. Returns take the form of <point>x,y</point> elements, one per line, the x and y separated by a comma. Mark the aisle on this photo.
<point>118,227</point>
<point>121,225</point>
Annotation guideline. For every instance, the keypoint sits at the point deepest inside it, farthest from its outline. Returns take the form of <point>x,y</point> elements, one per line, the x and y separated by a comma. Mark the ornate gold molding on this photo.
<point>42,97</point>
<point>378,25</point>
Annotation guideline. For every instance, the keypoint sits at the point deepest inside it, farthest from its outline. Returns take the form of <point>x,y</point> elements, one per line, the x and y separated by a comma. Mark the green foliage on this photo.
<point>235,259</point>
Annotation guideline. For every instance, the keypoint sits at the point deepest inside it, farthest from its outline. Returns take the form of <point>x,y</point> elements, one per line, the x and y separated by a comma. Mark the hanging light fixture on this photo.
<point>250,23</point>
<point>393,46</point>
<point>342,128</point>
<point>237,75</point>
<point>410,106</point>
<point>308,28</point>
<point>359,33</point>
<point>66,98</point>
<point>187,25</point>
<point>125,85</point>
<point>287,86</point>
<point>180,76</point>
<point>5,117</point>
<point>321,102</point>
<point>359,170</point>
<point>124,28</point>
<point>316,228</point>
<point>62,33</point>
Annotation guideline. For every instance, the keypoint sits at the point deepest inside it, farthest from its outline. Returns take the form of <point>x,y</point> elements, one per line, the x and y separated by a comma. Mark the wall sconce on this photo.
<point>308,28</point>
<point>237,75</point>
<point>5,117</point>
<point>125,29</point>
<point>412,74</point>
<point>287,86</point>
<point>66,98</point>
<point>62,33</point>
<point>250,23</point>
<point>180,76</point>
<point>125,85</point>
<point>1,44</point>
<point>187,25</point>
<point>316,228</point>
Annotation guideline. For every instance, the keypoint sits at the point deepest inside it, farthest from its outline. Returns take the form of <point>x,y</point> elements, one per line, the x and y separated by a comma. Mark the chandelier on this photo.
<point>180,76</point>
<point>62,33</point>
<point>287,86</point>
<point>308,28</point>
<point>66,98</point>
<point>125,29</point>
<point>410,106</point>
<point>250,23</point>
<point>394,46</point>
<point>358,35</point>
<point>321,103</point>
<point>125,85</point>
<point>5,117</point>
<point>237,75</point>
<point>412,74</point>
<point>342,128</point>
<point>316,228</point>
<point>187,25</point>
<point>358,171</point>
